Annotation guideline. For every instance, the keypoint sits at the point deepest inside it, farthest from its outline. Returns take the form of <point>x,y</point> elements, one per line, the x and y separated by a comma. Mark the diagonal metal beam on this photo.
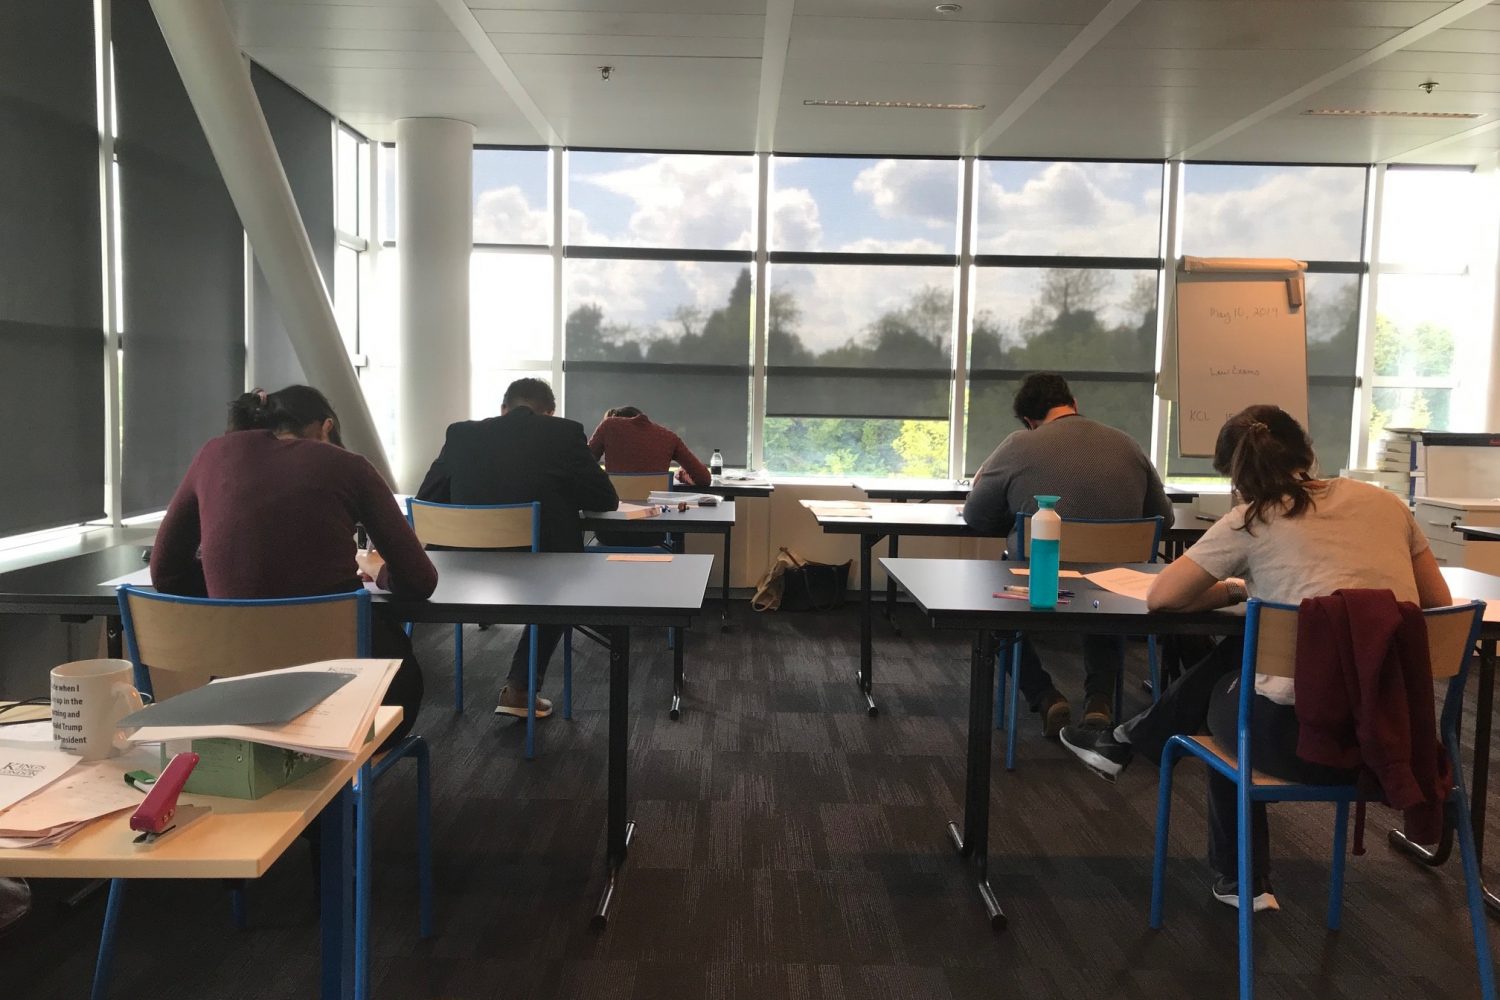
<point>484,47</point>
<point>778,39</point>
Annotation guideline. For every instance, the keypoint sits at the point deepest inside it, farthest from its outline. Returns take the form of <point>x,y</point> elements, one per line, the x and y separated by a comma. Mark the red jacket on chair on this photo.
<point>1364,700</point>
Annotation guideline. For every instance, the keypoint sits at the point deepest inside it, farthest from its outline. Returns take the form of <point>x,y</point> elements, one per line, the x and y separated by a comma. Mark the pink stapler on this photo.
<point>159,814</point>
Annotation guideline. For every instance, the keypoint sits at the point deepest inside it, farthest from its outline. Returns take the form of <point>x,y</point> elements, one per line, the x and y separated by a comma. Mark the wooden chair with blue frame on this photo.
<point>491,526</point>
<point>1084,540</point>
<point>179,643</point>
<point>1271,648</point>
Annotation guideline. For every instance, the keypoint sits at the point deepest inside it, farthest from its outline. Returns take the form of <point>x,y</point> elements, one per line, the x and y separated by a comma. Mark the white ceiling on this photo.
<point>1205,79</point>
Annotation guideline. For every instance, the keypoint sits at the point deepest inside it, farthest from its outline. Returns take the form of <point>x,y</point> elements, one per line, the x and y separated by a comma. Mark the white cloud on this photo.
<point>1305,213</point>
<point>686,201</point>
<point>503,215</point>
<point>918,190</point>
<point>1070,208</point>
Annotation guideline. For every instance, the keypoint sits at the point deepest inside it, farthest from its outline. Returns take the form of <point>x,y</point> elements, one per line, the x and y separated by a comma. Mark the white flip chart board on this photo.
<point>1241,340</point>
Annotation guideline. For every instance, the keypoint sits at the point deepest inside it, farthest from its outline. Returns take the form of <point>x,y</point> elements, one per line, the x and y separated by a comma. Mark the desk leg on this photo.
<point>864,678</point>
<point>336,875</point>
<point>724,583</point>
<point>973,843</point>
<point>618,829</point>
<point>679,674</point>
<point>894,550</point>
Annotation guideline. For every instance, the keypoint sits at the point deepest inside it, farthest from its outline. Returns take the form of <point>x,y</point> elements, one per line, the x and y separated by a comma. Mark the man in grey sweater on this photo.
<point>1099,472</point>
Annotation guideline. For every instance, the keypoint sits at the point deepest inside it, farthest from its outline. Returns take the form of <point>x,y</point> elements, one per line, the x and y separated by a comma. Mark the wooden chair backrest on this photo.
<point>1276,645</point>
<point>183,645</point>
<point>634,487</point>
<point>493,527</point>
<point>1104,541</point>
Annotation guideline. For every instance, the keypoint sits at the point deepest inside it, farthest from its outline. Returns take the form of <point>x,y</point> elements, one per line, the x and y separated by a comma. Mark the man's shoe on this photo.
<point>1055,714</point>
<point>514,703</point>
<point>1098,748</point>
<point>1098,712</point>
<point>1227,890</point>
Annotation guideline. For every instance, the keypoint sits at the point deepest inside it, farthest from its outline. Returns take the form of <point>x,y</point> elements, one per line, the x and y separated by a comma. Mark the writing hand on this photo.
<point>370,563</point>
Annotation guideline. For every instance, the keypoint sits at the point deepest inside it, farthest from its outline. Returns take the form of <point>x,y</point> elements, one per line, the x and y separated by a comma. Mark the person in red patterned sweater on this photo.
<point>628,441</point>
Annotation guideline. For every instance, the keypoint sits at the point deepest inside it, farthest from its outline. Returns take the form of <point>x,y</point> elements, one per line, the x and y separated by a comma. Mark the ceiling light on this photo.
<point>909,105</point>
<point>948,8</point>
<point>1365,113</point>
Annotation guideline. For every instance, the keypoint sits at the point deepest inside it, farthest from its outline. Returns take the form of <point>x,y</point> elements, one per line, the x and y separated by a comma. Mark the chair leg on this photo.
<point>1002,675</point>
<point>237,903</point>
<point>1169,758</point>
<point>1015,698</point>
<point>567,698</point>
<point>1478,921</point>
<point>1336,876</point>
<point>1246,890</point>
<point>531,697</point>
<point>364,809</point>
<point>1152,664</point>
<point>105,962</point>
<point>424,838</point>
<point>458,668</point>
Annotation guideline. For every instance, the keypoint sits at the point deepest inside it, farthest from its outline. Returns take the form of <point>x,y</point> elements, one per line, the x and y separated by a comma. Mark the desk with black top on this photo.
<point>956,490</point>
<point>733,489</point>
<point>512,588</point>
<point>1478,533</point>
<point>957,594</point>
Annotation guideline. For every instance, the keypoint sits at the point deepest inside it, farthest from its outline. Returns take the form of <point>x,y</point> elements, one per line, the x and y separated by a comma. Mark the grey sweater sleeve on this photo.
<point>988,507</point>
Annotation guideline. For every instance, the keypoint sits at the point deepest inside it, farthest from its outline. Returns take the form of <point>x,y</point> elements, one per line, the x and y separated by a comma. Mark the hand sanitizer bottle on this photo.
<point>1046,534</point>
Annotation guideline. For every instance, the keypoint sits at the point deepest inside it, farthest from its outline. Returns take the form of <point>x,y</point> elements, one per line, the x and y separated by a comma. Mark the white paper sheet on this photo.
<point>140,578</point>
<point>91,789</point>
<point>26,770</point>
<point>27,733</point>
<point>1123,581</point>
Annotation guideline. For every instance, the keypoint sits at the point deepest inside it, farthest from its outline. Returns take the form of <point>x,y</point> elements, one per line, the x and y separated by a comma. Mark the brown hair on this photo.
<point>1268,458</point>
<point>286,411</point>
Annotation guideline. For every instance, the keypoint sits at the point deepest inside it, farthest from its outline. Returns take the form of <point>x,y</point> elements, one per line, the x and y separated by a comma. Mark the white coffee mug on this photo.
<point>89,698</point>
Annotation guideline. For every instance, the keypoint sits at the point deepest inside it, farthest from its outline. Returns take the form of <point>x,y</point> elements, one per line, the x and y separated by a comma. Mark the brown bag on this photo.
<point>795,584</point>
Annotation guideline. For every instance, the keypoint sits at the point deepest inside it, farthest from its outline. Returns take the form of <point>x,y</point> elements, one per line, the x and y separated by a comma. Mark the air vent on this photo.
<point>907,105</point>
<point>1365,113</point>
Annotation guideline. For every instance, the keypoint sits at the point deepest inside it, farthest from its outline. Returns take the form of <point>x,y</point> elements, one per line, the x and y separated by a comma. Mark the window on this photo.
<point>1068,277</point>
<point>510,197</point>
<point>1314,214</point>
<point>351,170</point>
<point>861,315</point>
<point>658,294</point>
<point>1431,310</point>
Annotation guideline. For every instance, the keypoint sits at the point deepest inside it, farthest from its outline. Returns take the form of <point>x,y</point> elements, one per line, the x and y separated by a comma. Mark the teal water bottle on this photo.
<point>1046,533</point>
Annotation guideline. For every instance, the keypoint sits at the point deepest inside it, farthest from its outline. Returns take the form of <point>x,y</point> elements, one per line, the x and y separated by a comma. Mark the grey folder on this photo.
<point>249,701</point>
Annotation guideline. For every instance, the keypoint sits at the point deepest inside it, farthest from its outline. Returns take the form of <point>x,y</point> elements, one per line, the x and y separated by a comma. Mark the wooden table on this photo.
<point>602,599</point>
<point>239,839</point>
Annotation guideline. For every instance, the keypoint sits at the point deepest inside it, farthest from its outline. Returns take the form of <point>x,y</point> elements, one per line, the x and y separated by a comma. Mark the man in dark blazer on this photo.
<point>523,455</point>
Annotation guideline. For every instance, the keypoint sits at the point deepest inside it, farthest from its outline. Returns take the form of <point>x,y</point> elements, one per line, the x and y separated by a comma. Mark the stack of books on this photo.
<point>1399,464</point>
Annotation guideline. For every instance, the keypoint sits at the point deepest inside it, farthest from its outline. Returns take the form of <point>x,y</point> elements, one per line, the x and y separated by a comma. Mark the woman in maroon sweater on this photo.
<point>269,510</point>
<point>628,441</point>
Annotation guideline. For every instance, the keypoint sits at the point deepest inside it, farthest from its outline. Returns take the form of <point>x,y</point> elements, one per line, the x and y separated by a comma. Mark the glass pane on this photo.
<point>1428,220</point>
<point>1399,406</point>
<point>662,312</point>
<point>510,308</point>
<point>346,295</point>
<point>1419,318</point>
<point>1083,209</point>
<point>829,446</point>
<point>1125,405</point>
<point>863,316</point>
<point>706,411</point>
<point>865,206</point>
<point>1069,319</point>
<point>488,387</point>
<point>510,196</point>
<point>346,212</point>
<point>673,200</point>
<point>1252,210</point>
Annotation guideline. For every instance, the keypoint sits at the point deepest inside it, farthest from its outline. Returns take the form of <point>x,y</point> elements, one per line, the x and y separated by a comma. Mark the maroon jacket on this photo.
<point>635,444</point>
<point>275,517</point>
<point>1364,700</point>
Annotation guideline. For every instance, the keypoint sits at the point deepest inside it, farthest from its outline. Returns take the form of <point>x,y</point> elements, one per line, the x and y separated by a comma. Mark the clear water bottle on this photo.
<point>1046,534</point>
<point>716,465</point>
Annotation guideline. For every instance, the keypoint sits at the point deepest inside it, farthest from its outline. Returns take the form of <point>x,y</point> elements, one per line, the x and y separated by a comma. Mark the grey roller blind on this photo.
<point>182,259</point>
<point>51,329</point>
<point>303,133</point>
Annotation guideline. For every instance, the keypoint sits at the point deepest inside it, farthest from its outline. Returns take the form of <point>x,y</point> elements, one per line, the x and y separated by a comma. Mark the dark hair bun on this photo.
<point>249,412</point>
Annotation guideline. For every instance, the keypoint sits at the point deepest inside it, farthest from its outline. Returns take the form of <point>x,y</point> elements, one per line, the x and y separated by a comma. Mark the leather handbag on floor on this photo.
<point>796,584</point>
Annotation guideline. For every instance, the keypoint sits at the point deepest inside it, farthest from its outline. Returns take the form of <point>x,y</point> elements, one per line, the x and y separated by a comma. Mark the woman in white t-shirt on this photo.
<point>1291,536</point>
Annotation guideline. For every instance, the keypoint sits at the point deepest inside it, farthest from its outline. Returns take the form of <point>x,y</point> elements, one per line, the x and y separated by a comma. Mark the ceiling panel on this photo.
<point>1459,40</point>
<point>614,6</point>
<point>568,22</point>
<point>285,16</point>
<point>886,41</point>
<point>1256,24</point>
<point>1325,140</point>
<point>1036,11</point>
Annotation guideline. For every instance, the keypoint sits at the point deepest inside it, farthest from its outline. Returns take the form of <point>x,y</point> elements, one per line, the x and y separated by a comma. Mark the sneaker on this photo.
<point>1227,890</point>
<point>1097,747</point>
<point>1055,714</point>
<point>1099,713</point>
<point>514,703</point>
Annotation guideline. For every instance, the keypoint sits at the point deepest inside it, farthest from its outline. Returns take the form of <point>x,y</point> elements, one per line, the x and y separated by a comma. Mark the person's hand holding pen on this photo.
<point>370,563</point>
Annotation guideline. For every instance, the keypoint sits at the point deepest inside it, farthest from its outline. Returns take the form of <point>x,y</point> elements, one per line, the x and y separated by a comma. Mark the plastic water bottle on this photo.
<point>716,465</point>
<point>1046,533</point>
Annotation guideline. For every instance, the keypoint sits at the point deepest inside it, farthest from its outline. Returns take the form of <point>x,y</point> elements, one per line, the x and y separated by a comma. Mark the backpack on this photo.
<point>796,584</point>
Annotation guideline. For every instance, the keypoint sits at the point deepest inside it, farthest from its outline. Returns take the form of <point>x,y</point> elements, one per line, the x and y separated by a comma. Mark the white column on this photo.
<point>435,232</point>
<point>217,79</point>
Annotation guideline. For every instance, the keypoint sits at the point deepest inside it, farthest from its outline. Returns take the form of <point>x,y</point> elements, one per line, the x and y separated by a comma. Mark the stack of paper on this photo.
<point>85,792</point>
<point>838,508</point>
<point>336,726</point>
<point>671,498</point>
<point>635,511</point>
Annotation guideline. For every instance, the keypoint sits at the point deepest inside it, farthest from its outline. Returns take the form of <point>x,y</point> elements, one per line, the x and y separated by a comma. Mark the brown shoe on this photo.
<point>514,703</point>
<point>1098,712</point>
<point>1055,713</point>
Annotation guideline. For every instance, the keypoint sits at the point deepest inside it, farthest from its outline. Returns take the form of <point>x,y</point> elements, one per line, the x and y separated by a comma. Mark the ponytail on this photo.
<point>287,411</point>
<point>1269,460</point>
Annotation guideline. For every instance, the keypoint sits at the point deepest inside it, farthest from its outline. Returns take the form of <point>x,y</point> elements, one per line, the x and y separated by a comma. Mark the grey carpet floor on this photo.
<point>787,846</point>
